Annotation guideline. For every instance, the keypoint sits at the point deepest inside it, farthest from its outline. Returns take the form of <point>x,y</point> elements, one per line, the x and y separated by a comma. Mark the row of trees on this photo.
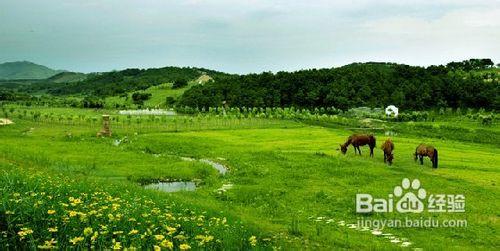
<point>471,64</point>
<point>355,85</point>
<point>332,112</point>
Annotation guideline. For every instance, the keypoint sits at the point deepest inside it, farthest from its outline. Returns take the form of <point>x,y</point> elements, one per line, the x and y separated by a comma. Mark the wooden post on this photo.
<point>105,131</point>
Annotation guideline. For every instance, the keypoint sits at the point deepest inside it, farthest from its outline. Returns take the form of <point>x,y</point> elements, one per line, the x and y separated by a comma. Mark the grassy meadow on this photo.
<point>288,187</point>
<point>159,94</point>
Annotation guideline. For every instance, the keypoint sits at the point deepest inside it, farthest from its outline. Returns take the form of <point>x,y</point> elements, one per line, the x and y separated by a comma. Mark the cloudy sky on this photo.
<point>244,36</point>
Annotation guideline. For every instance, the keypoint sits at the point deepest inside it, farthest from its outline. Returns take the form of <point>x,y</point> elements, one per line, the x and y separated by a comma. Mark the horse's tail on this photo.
<point>435,159</point>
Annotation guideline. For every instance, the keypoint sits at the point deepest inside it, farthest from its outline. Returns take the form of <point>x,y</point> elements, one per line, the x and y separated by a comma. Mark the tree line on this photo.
<point>457,84</point>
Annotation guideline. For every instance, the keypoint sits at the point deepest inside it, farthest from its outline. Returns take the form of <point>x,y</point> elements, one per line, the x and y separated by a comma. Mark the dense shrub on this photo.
<point>140,97</point>
<point>92,102</point>
<point>179,83</point>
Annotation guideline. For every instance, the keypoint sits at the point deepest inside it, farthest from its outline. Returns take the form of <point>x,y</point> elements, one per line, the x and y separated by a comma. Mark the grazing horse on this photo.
<point>423,150</point>
<point>358,140</point>
<point>388,147</point>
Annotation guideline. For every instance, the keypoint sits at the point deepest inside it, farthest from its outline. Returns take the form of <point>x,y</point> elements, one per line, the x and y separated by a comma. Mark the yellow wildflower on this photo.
<point>180,237</point>
<point>171,230</point>
<point>159,237</point>
<point>50,244</point>
<point>133,231</point>
<point>253,240</point>
<point>73,213</point>
<point>156,248</point>
<point>117,246</point>
<point>52,229</point>
<point>75,240</point>
<point>24,232</point>
<point>204,239</point>
<point>184,246</point>
<point>51,211</point>
<point>94,237</point>
<point>87,231</point>
<point>167,244</point>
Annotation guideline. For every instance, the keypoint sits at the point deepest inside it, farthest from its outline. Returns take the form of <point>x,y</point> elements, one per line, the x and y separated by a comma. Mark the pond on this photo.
<point>148,112</point>
<point>170,187</point>
<point>220,168</point>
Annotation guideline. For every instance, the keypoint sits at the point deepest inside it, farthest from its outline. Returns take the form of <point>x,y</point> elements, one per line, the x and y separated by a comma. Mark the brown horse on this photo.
<point>423,150</point>
<point>388,147</point>
<point>358,140</point>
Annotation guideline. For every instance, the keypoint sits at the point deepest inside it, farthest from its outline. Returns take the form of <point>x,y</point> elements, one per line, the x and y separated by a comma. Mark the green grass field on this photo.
<point>61,186</point>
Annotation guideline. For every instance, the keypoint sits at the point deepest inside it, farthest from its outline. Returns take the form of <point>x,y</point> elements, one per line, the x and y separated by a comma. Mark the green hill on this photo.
<point>25,70</point>
<point>119,82</point>
<point>68,77</point>
<point>359,84</point>
<point>159,94</point>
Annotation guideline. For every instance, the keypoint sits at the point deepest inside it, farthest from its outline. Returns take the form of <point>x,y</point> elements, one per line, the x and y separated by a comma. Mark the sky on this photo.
<point>244,36</point>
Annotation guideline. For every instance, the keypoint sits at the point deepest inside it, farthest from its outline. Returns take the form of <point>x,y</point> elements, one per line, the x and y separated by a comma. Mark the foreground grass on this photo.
<point>289,182</point>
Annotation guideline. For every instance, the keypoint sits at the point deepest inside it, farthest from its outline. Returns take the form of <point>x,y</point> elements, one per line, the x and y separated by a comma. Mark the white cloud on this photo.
<point>457,35</point>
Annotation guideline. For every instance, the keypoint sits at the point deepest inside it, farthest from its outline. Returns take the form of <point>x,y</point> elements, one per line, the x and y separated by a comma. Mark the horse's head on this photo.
<point>343,149</point>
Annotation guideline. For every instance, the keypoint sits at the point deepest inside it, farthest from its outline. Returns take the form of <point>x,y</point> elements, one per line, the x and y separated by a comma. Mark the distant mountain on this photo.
<point>25,70</point>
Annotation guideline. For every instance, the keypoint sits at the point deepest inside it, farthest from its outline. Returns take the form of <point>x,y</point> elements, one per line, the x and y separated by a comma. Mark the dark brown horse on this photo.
<point>358,140</point>
<point>388,147</point>
<point>423,150</point>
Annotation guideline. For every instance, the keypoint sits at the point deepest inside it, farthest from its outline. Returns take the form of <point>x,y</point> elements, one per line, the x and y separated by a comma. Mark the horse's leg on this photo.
<point>359,150</point>
<point>371,151</point>
<point>385,158</point>
<point>421,159</point>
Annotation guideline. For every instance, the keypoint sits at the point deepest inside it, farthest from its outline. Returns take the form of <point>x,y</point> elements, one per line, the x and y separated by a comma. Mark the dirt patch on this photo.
<point>203,79</point>
<point>5,122</point>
